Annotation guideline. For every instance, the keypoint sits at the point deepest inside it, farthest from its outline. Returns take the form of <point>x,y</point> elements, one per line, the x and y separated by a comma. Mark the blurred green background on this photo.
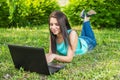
<point>17,13</point>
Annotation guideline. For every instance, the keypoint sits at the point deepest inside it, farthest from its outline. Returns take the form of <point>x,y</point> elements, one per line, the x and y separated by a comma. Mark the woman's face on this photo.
<point>54,26</point>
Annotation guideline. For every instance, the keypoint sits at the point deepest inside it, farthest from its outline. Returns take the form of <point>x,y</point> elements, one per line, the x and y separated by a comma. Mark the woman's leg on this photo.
<point>88,34</point>
<point>87,30</point>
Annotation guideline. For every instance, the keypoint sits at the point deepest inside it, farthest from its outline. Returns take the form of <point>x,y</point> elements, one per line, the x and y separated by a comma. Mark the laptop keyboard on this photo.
<point>52,69</point>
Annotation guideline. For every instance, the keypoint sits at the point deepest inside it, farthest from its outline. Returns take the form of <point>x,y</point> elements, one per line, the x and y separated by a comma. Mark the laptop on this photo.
<point>32,59</point>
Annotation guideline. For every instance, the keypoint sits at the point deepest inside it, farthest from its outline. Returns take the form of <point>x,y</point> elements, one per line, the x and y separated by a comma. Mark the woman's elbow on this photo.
<point>69,60</point>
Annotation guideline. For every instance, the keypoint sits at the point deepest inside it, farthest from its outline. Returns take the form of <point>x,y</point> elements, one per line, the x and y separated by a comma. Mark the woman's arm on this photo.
<point>71,49</point>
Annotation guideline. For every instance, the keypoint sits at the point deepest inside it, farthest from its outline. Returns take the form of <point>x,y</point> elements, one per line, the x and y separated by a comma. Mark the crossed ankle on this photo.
<point>88,14</point>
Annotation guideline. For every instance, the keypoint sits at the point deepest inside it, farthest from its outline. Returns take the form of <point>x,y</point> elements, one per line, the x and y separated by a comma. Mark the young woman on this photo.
<point>64,42</point>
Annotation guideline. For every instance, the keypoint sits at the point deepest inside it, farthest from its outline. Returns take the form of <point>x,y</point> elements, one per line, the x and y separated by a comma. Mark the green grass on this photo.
<point>103,63</point>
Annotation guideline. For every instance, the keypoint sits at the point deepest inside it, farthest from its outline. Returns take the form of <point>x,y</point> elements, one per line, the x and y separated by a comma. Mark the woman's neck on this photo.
<point>59,38</point>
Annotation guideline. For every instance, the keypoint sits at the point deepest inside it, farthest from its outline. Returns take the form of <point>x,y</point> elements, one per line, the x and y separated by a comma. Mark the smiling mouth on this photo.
<point>54,30</point>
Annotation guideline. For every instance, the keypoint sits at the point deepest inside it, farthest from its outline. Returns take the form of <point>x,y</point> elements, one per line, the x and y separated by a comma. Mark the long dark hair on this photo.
<point>64,26</point>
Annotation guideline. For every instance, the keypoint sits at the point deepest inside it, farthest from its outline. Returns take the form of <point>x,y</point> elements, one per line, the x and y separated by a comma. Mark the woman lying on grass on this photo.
<point>64,42</point>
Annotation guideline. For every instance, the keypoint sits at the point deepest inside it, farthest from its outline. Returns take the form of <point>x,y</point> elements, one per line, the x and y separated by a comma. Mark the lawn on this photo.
<point>103,63</point>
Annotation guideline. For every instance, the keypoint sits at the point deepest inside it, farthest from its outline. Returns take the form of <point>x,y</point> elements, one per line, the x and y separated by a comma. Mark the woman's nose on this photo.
<point>53,26</point>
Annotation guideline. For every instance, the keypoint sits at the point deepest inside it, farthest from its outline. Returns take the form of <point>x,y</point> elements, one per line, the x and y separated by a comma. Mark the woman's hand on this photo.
<point>50,57</point>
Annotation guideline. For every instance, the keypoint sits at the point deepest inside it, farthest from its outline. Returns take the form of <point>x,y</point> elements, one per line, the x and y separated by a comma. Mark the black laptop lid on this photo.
<point>29,58</point>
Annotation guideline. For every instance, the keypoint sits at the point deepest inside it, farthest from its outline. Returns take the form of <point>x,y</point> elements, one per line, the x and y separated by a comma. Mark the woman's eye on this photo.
<point>56,24</point>
<point>51,24</point>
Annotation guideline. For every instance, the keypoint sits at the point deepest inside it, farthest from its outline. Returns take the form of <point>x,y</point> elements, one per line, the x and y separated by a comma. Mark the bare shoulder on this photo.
<point>73,39</point>
<point>73,33</point>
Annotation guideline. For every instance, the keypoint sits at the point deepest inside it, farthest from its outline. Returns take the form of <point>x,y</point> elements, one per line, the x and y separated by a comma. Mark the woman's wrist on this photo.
<point>55,56</point>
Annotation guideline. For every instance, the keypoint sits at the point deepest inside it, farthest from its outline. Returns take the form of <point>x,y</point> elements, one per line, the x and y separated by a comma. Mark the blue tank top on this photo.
<point>81,48</point>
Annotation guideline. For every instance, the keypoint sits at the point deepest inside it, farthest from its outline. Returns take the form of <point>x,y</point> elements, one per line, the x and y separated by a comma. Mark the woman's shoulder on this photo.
<point>71,31</point>
<point>73,34</point>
